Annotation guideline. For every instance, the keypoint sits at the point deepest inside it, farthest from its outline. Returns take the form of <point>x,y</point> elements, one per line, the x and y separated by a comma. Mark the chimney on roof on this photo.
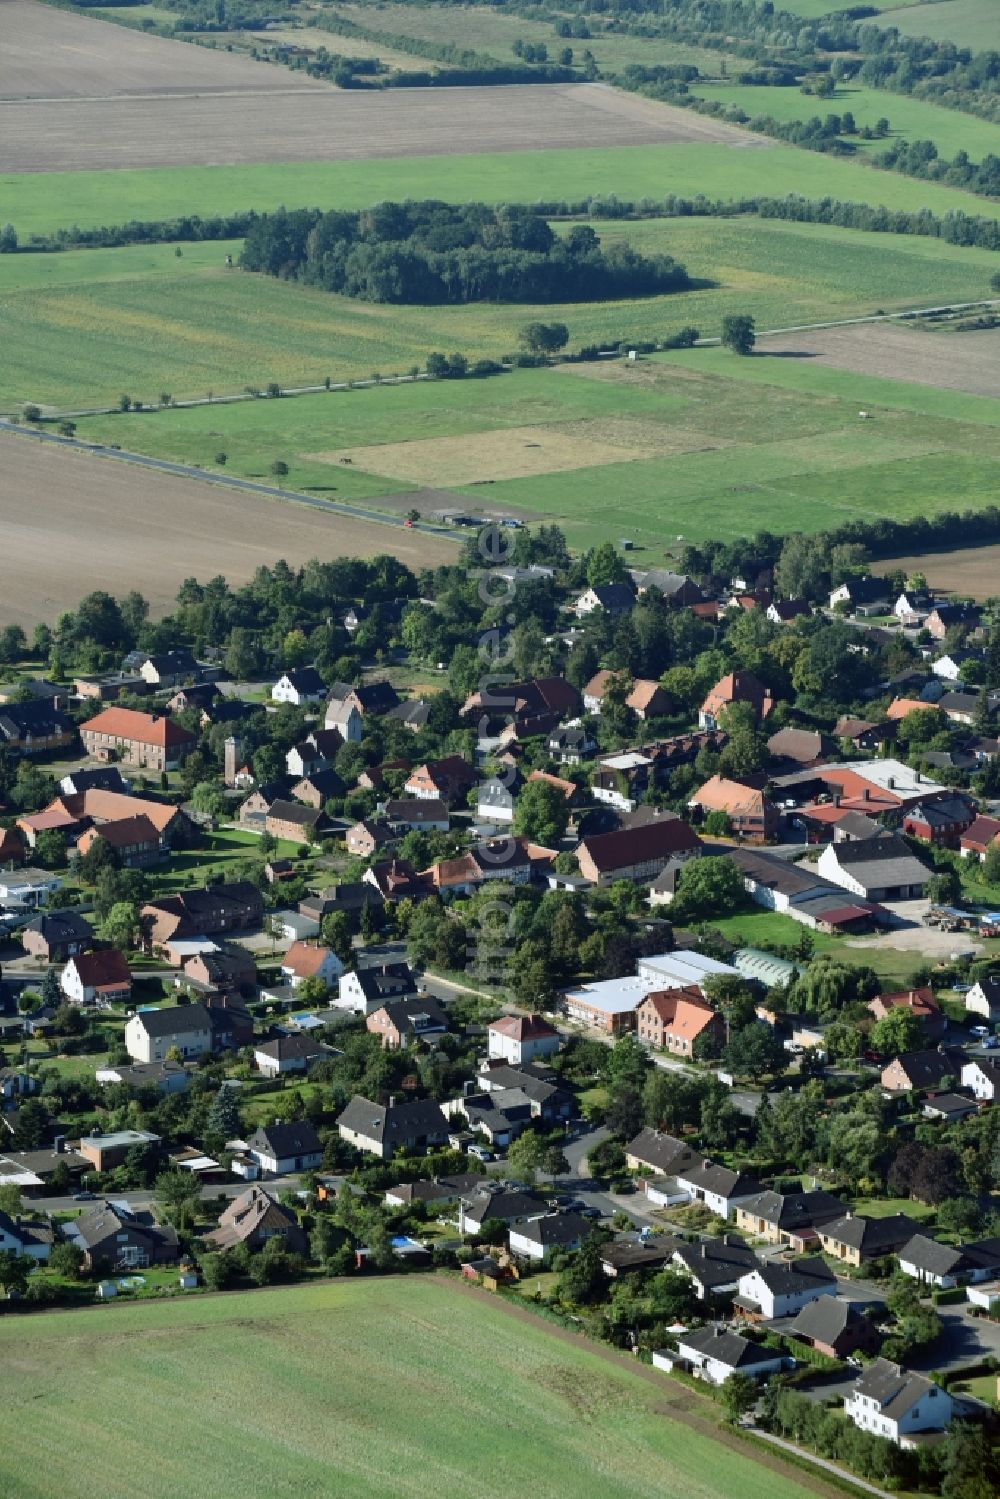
<point>892,782</point>
<point>866,795</point>
<point>836,798</point>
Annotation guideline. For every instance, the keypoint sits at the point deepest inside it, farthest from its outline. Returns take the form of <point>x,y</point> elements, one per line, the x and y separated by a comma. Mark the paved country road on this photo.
<point>360,512</point>
<point>189,471</point>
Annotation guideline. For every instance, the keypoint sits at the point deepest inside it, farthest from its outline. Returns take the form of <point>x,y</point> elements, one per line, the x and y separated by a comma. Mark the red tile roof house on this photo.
<point>919,1002</point>
<point>646,698</point>
<point>674,1018</point>
<point>521,1038</point>
<point>445,780</point>
<point>978,839</point>
<point>637,853</point>
<point>303,960</point>
<point>737,687</point>
<point>752,814</point>
<point>134,839</point>
<point>101,978</point>
<point>146,739</point>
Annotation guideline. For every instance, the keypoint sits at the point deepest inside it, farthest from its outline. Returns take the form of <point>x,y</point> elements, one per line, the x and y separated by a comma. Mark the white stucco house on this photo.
<point>521,1038</point>
<point>982,1078</point>
<point>305,685</point>
<point>895,1403</point>
<point>714,1354</point>
<point>781,1290</point>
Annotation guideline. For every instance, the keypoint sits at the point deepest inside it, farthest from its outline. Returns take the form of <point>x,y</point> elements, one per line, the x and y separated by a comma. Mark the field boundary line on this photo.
<point>228,481</point>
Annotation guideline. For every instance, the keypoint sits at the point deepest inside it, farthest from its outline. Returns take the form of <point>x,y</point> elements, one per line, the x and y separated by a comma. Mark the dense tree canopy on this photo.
<point>436,252</point>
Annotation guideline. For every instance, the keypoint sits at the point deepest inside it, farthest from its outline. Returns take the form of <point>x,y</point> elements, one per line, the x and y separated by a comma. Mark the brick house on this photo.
<point>735,687</point>
<point>752,814</point>
<point>836,1328</point>
<point>916,1070</point>
<point>294,822</point>
<point>134,840</point>
<point>636,853</point>
<point>675,1018</point>
<point>34,728</point>
<point>919,1002</point>
<point>56,936</point>
<point>940,821</point>
<point>195,913</point>
<point>147,739</point>
<point>979,838</point>
<point>252,1219</point>
<point>405,1021</point>
<point>114,1239</point>
<point>854,1240</point>
<point>368,837</point>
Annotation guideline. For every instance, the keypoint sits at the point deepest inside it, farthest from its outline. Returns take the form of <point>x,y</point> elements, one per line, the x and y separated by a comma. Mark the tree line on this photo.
<point>434,253</point>
<point>808,565</point>
<point>955,228</point>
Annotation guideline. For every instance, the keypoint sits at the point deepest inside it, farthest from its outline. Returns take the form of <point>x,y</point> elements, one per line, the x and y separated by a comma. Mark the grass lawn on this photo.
<point>394,1388</point>
<point>39,203</point>
<point>217,852</point>
<point>145,320</point>
<point>981,1387</point>
<point>874,1207</point>
<point>541,1284</point>
<point>755,927</point>
<point>909,118</point>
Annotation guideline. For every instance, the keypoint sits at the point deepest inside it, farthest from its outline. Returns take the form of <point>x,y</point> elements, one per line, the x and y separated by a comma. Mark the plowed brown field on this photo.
<point>73,522</point>
<point>54,54</point>
<point>81,94</point>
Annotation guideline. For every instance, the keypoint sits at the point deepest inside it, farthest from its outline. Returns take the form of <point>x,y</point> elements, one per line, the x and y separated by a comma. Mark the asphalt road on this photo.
<point>188,471</point>
<point>146,1199</point>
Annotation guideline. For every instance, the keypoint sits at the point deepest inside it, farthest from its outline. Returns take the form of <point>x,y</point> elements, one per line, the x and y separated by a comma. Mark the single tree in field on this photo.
<point>544,338</point>
<point>738,333</point>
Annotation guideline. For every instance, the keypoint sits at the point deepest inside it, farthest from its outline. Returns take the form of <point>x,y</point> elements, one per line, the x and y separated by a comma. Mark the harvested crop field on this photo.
<point>75,521</point>
<point>968,362</point>
<point>972,570</point>
<point>55,54</point>
<point>481,457</point>
<point>224,129</point>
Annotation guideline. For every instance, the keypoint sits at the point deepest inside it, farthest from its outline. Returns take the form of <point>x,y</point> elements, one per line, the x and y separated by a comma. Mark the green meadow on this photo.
<point>42,202</point>
<point>698,445</point>
<point>967,23</point>
<point>812,10</point>
<point>382,1389</point>
<point>490,31</point>
<point>909,118</point>
<point>144,319</point>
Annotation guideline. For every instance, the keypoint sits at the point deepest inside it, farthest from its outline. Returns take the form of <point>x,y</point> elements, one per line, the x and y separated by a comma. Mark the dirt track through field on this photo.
<point>968,362</point>
<point>55,54</point>
<point>73,522</point>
